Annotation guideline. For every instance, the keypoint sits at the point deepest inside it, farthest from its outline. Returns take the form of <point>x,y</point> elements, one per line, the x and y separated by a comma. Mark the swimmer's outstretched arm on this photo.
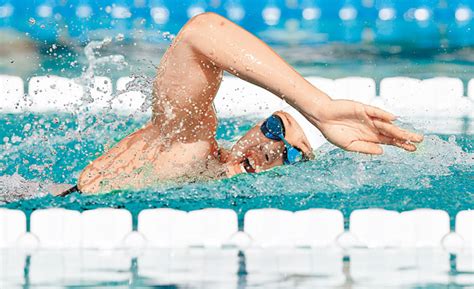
<point>347,124</point>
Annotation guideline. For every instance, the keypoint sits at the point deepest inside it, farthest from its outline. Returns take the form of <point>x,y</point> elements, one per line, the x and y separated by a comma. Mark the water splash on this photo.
<point>142,84</point>
<point>435,158</point>
<point>15,187</point>
<point>65,153</point>
<point>94,61</point>
<point>55,151</point>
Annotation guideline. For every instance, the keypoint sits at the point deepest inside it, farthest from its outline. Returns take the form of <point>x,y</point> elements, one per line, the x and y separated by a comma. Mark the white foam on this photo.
<point>394,169</point>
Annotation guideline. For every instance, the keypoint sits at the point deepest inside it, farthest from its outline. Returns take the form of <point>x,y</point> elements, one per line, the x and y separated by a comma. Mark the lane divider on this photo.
<point>108,228</point>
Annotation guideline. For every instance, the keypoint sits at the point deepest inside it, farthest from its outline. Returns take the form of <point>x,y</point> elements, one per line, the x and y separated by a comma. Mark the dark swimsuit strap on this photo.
<point>74,189</point>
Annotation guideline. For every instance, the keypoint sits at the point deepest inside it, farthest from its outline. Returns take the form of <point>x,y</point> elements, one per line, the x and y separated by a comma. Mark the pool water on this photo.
<point>39,149</point>
<point>49,148</point>
<point>231,268</point>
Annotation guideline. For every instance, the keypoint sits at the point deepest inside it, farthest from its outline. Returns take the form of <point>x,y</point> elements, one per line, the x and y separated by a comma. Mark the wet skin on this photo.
<point>179,142</point>
<point>254,152</point>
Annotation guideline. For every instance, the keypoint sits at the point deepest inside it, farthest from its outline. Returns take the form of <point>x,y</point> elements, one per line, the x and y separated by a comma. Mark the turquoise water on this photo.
<point>55,147</point>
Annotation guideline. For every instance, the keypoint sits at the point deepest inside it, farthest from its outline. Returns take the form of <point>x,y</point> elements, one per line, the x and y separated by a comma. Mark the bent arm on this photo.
<point>347,124</point>
<point>237,51</point>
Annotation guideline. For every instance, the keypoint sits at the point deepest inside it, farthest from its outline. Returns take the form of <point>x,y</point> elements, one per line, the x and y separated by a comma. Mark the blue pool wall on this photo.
<point>417,23</point>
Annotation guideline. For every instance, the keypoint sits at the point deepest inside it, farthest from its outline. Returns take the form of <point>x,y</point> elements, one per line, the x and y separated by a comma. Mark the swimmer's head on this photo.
<point>256,152</point>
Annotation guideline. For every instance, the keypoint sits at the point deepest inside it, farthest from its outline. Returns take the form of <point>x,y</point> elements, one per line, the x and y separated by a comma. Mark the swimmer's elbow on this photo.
<point>205,19</point>
<point>199,24</point>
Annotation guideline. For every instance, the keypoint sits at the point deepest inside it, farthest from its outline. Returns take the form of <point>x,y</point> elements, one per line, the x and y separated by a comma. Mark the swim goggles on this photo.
<point>274,129</point>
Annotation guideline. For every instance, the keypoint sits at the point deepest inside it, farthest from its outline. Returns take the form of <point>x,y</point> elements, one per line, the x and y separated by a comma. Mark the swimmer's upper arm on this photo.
<point>186,81</point>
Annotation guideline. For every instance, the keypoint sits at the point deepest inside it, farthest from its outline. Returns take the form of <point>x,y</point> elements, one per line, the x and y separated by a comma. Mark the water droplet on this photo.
<point>120,37</point>
<point>32,21</point>
<point>27,127</point>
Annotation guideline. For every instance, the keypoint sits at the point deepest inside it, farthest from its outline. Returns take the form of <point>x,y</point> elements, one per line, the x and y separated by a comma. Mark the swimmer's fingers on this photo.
<point>376,112</point>
<point>395,132</point>
<point>398,143</point>
<point>365,147</point>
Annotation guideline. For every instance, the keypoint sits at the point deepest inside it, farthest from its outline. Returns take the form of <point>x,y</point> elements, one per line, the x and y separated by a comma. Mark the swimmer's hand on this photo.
<point>357,127</point>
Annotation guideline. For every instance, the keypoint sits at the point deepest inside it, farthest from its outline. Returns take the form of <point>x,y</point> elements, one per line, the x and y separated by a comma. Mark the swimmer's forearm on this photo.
<point>231,48</point>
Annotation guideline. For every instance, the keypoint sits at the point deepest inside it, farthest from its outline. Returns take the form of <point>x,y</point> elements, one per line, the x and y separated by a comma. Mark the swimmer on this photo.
<point>179,142</point>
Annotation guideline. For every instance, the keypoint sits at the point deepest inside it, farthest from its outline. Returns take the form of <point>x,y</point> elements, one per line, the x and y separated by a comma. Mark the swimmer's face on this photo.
<point>254,152</point>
